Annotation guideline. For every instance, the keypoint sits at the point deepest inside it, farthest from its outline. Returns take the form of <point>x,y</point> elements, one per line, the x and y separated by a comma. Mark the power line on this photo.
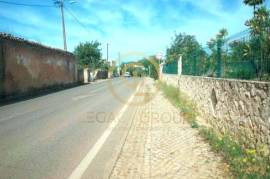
<point>22,4</point>
<point>239,35</point>
<point>78,21</point>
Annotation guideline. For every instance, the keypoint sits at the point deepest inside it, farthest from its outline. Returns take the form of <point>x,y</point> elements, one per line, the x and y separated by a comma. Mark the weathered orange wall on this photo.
<point>29,66</point>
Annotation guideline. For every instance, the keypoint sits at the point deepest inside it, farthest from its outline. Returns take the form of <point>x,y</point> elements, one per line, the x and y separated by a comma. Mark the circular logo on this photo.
<point>144,91</point>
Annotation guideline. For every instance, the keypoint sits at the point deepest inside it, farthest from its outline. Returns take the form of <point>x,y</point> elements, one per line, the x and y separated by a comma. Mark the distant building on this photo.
<point>113,63</point>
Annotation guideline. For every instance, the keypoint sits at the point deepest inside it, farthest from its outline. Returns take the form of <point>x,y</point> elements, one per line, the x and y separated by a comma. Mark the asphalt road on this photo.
<point>48,136</point>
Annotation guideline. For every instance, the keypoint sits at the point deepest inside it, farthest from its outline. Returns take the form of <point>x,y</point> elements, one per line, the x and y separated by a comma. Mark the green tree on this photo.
<point>88,55</point>
<point>151,66</point>
<point>103,64</point>
<point>260,41</point>
<point>240,63</point>
<point>222,34</point>
<point>254,3</point>
<point>239,51</point>
<point>217,56</point>
<point>190,49</point>
<point>260,23</point>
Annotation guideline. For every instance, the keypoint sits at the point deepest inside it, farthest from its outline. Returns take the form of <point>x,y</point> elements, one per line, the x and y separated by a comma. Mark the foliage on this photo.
<point>239,51</point>
<point>195,60</point>
<point>88,55</point>
<point>139,72</point>
<point>234,57</point>
<point>240,61</point>
<point>103,65</point>
<point>244,163</point>
<point>134,69</point>
<point>217,54</point>
<point>150,63</point>
<point>180,100</point>
<point>260,42</point>
<point>253,3</point>
<point>189,48</point>
<point>244,58</point>
<point>240,72</point>
<point>130,68</point>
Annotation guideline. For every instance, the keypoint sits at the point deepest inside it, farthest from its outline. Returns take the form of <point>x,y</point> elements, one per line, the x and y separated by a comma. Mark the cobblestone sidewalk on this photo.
<point>160,144</point>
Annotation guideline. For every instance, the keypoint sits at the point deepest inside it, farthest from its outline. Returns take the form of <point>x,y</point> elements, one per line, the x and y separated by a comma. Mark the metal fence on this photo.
<point>240,56</point>
<point>170,68</point>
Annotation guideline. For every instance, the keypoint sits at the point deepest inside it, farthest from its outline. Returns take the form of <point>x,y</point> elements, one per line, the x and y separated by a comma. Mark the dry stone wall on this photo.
<point>240,108</point>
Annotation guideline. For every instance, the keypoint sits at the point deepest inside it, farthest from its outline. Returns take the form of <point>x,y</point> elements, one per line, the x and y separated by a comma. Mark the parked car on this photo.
<point>115,75</point>
<point>127,74</point>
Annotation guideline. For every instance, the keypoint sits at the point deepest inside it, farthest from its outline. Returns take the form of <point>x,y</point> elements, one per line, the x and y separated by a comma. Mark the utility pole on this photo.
<point>119,63</point>
<point>63,25</point>
<point>60,3</point>
<point>107,52</point>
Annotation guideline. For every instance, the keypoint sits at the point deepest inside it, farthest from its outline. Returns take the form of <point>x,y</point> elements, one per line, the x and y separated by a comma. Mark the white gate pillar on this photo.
<point>180,65</point>
<point>85,75</point>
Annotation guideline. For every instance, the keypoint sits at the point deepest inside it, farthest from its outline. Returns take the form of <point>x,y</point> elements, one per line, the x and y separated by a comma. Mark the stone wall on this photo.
<point>27,66</point>
<point>239,108</point>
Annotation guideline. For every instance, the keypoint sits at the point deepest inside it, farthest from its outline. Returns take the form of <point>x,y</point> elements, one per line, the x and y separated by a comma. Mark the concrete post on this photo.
<point>85,75</point>
<point>180,65</point>
<point>161,70</point>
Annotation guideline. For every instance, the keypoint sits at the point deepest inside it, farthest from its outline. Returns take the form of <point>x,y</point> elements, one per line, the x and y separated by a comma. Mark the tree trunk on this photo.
<point>254,9</point>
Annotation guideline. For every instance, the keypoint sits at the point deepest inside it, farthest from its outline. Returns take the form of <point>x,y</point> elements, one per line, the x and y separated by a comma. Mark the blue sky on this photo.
<point>145,26</point>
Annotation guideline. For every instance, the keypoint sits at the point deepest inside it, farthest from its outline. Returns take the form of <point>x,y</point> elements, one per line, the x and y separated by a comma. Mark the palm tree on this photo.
<point>259,26</point>
<point>222,33</point>
<point>254,3</point>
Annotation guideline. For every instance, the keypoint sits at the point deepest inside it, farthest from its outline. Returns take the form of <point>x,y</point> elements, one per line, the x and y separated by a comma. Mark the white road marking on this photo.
<point>89,94</point>
<point>82,97</point>
<point>76,98</point>
<point>86,161</point>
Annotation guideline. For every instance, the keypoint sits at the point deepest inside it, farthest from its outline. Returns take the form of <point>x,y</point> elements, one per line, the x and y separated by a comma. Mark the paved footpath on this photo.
<point>160,144</point>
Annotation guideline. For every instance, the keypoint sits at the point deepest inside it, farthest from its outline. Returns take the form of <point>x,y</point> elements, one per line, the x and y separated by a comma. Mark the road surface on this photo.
<point>48,136</point>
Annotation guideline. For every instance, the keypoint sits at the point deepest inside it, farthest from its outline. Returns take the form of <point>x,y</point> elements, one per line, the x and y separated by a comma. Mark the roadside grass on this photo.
<point>244,163</point>
<point>178,99</point>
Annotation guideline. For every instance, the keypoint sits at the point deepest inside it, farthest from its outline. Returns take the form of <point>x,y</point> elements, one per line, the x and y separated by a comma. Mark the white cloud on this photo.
<point>129,26</point>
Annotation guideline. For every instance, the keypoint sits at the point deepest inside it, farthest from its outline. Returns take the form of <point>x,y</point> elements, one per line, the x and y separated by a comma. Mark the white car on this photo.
<point>127,74</point>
